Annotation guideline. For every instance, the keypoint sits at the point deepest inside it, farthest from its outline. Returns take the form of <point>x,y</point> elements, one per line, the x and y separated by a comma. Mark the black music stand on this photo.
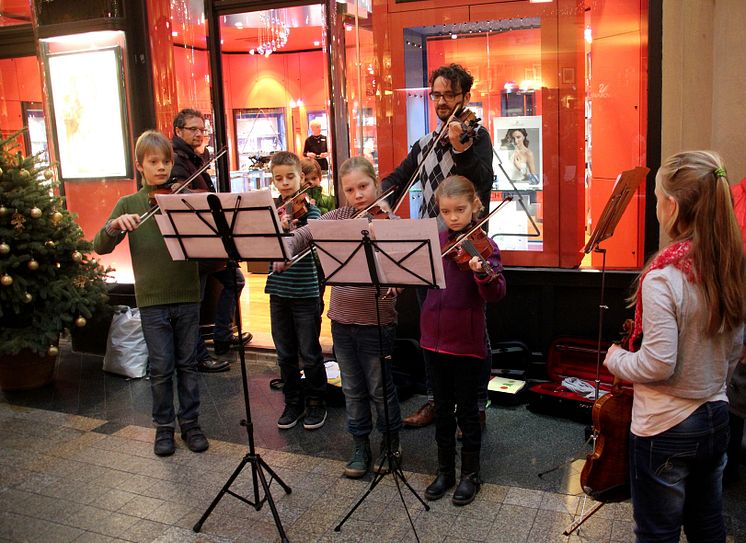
<point>387,261</point>
<point>625,187</point>
<point>196,226</point>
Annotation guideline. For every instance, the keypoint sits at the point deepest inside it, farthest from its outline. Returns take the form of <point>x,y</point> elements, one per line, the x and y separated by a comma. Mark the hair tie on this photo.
<point>720,172</point>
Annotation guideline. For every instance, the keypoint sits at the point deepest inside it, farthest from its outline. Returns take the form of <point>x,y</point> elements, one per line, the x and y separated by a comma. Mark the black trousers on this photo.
<point>455,381</point>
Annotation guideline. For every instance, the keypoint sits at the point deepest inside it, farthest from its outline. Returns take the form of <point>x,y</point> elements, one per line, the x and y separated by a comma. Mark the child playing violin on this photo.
<point>294,308</point>
<point>352,311</point>
<point>167,293</point>
<point>689,314</point>
<point>453,331</point>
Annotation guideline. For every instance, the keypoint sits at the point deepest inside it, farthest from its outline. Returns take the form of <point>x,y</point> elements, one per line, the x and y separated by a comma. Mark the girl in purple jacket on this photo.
<point>453,330</point>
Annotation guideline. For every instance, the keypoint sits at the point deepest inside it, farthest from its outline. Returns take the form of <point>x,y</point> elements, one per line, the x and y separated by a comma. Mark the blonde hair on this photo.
<point>361,164</point>
<point>309,166</point>
<point>456,186</point>
<point>704,214</point>
<point>152,141</point>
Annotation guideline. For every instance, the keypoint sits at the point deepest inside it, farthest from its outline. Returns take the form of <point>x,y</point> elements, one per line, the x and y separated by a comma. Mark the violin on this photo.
<point>296,207</point>
<point>469,124</point>
<point>166,188</point>
<point>476,244</point>
<point>605,474</point>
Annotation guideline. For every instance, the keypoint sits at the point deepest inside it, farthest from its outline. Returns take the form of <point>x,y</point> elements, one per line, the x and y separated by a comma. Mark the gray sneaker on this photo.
<point>360,462</point>
<point>290,416</point>
<point>315,417</point>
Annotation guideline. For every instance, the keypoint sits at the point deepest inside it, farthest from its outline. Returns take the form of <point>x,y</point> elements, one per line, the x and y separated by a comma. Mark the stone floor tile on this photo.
<point>561,503</point>
<point>549,526</point>
<point>471,528</point>
<point>593,529</point>
<point>144,531</point>
<point>140,507</point>
<point>168,512</point>
<point>512,524</point>
<point>524,497</point>
<point>622,530</point>
<point>92,537</point>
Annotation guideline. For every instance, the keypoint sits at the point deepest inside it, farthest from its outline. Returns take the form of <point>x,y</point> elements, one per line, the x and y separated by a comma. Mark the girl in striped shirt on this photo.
<point>352,311</point>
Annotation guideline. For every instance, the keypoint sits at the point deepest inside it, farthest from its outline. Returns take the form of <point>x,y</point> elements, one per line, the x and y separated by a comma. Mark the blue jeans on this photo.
<point>359,354</point>
<point>296,325</point>
<point>225,309</point>
<point>171,333</point>
<point>676,478</point>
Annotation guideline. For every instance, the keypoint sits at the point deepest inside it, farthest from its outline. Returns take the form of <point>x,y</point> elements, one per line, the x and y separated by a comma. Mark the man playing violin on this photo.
<point>189,135</point>
<point>450,92</point>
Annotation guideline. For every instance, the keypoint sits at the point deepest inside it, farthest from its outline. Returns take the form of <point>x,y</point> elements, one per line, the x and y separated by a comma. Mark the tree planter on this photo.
<point>26,370</point>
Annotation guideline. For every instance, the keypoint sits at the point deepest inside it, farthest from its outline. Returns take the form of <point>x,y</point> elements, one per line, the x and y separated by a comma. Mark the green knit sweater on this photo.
<point>158,279</point>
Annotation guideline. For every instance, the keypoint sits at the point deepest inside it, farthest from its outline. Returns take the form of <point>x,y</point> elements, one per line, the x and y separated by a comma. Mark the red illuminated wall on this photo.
<point>20,81</point>
<point>619,122</point>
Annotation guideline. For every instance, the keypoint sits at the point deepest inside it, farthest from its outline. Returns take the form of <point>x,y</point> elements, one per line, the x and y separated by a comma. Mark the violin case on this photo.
<point>569,357</point>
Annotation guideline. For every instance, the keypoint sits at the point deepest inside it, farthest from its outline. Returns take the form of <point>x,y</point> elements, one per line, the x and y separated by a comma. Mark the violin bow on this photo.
<point>153,210</point>
<point>463,237</point>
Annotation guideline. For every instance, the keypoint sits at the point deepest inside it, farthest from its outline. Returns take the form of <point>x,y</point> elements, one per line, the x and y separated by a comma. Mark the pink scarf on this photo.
<point>676,254</point>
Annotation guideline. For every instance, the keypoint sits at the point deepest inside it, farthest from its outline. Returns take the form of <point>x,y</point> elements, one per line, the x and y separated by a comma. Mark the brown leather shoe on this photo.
<point>424,416</point>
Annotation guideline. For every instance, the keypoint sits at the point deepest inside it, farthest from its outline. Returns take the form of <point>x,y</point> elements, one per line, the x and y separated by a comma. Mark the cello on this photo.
<point>605,474</point>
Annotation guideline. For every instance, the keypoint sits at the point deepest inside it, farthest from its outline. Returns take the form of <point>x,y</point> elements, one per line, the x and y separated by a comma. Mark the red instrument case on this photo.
<point>569,357</point>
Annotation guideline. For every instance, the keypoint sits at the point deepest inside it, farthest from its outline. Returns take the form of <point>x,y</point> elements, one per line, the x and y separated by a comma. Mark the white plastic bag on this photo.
<point>126,351</point>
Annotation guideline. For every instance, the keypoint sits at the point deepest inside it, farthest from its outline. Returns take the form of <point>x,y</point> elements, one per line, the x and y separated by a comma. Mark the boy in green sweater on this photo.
<point>167,293</point>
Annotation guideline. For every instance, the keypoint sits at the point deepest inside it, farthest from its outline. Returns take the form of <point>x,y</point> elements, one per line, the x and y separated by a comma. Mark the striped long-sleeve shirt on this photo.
<point>301,280</point>
<point>349,305</point>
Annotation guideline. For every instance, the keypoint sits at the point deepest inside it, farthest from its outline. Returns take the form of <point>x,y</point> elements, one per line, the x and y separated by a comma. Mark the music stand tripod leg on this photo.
<point>252,457</point>
<point>392,457</point>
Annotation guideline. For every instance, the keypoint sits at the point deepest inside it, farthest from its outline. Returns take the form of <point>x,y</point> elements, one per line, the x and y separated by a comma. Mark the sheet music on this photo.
<point>408,251</point>
<point>189,230</point>
<point>404,241</point>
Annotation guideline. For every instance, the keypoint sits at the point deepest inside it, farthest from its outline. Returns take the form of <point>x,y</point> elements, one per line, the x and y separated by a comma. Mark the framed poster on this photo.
<point>518,143</point>
<point>89,114</point>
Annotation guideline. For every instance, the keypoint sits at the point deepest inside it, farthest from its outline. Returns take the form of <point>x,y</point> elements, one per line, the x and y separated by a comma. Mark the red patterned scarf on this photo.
<point>676,254</point>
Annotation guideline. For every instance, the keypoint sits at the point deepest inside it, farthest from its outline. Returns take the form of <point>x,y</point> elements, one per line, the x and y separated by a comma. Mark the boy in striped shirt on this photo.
<point>295,313</point>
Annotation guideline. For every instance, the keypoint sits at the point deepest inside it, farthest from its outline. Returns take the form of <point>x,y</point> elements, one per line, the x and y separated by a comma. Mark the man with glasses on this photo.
<point>188,140</point>
<point>450,89</point>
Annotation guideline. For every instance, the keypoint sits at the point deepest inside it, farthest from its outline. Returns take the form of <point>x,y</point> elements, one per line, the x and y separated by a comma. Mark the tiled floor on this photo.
<point>76,464</point>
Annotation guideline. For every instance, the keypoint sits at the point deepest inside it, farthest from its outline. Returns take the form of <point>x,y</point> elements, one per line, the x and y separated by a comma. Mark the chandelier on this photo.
<point>273,33</point>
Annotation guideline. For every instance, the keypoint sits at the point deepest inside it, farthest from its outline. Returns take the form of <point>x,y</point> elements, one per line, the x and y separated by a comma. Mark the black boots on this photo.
<point>446,477</point>
<point>468,487</point>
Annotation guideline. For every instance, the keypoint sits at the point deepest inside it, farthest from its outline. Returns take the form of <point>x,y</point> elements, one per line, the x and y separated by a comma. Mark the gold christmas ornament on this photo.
<point>94,262</point>
<point>1,172</point>
<point>35,213</point>
<point>56,217</point>
<point>6,280</point>
<point>53,351</point>
<point>33,265</point>
<point>57,265</point>
<point>77,256</point>
<point>3,211</point>
<point>24,173</point>
<point>49,244</point>
<point>48,174</point>
<point>27,298</point>
<point>80,322</point>
<point>4,248</point>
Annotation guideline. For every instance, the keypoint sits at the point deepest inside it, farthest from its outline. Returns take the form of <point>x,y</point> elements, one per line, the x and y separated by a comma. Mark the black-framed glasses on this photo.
<point>195,129</point>
<point>447,96</point>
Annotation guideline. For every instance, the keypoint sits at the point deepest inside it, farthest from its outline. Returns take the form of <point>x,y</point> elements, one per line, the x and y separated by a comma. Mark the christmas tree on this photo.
<point>48,282</point>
